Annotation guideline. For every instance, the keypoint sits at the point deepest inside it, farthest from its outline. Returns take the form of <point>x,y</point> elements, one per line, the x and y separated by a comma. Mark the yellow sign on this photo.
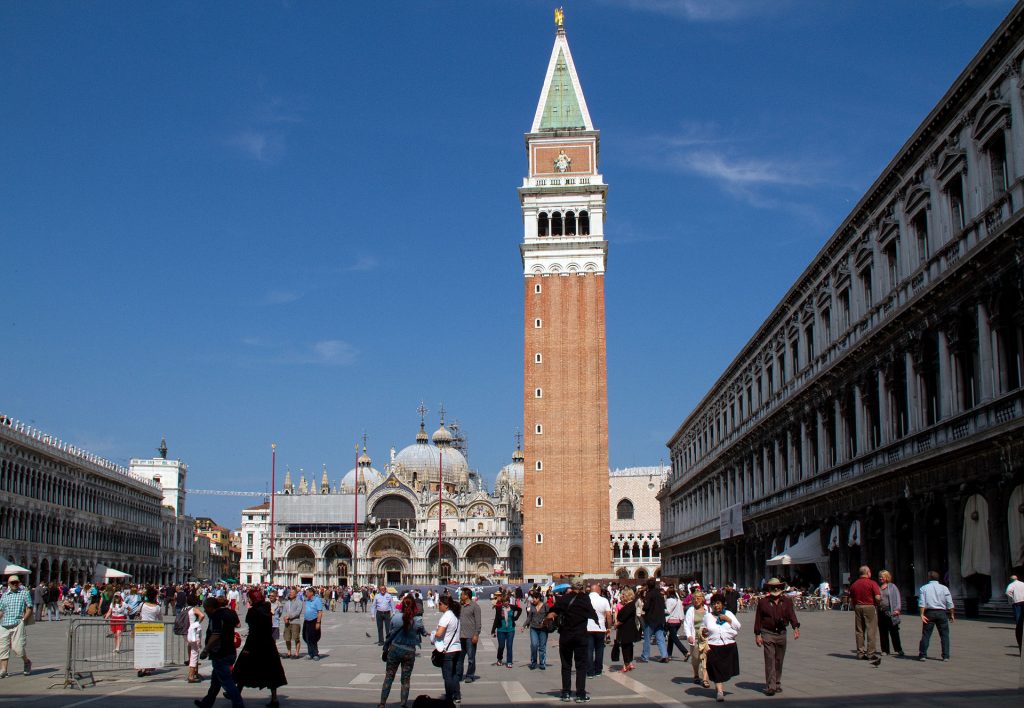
<point>149,645</point>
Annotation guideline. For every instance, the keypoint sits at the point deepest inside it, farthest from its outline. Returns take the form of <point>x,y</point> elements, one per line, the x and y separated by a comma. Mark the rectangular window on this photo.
<point>540,429</point>
<point>809,341</point>
<point>540,538</point>
<point>537,358</point>
<point>536,288</point>
<point>865,284</point>
<point>540,465</point>
<point>538,393</point>
<point>536,323</point>
<point>780,369</point>
<point>794,347</point>
<point>248,555</point>
<point>248,539</point>
<point>844,309</point>
<point>892,261</point>
<point>996,150</point>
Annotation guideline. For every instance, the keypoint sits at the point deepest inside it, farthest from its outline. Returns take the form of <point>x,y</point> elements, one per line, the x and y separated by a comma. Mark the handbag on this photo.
<point>615,650</point>
<point>437,656</point>
<point>238,640</point>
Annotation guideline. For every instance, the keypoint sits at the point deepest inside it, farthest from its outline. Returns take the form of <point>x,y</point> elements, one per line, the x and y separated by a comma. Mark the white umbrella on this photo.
<point>11,568</point>
<point>102,572</point>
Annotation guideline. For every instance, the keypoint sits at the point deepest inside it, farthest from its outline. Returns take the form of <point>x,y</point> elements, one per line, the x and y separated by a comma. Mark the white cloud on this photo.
<point>331,352</point>
<point>742,171</point>
<point>260,145</point>
<point>363,263</point>
<point>326,352</point>
<point>280,297</point>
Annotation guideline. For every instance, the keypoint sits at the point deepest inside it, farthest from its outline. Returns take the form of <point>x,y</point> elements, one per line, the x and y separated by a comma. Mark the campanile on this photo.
<point>565,401</point>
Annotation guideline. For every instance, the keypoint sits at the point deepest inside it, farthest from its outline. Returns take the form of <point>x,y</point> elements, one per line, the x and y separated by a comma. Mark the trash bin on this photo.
<point>971,607</point>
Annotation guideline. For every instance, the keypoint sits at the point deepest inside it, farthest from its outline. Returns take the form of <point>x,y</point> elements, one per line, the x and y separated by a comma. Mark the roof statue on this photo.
<point>559,17</point>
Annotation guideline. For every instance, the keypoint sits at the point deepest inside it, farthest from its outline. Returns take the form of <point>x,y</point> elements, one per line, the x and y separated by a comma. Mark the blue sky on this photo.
<point>235,223</point>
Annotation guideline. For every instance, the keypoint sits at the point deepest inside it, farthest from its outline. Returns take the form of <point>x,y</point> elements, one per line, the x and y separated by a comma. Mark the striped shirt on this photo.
<point>13,604</point>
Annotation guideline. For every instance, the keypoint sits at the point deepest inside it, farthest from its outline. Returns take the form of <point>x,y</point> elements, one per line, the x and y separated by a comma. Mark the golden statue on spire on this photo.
<point>559,16</point>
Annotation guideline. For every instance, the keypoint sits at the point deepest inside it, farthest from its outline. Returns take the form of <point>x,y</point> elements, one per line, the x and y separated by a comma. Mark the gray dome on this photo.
<point>511,475</point>
<point>442,436</point>
<point>421,460</point>
<point>369,479</point>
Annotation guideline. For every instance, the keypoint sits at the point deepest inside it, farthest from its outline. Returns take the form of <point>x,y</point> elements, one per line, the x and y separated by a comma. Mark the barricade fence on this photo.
<point>97,645</point>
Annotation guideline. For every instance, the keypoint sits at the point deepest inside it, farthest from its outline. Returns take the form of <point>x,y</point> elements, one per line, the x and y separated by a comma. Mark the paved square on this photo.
<point>821,670</point>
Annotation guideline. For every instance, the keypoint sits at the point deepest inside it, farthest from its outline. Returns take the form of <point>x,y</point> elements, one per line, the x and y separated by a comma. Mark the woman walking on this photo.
<point>446,641</point>
<point>627,633</point>
<point>698,642</point>
<point>259,664</point>
<point>675,614</point>
<point>194,636</point>
<point>400,649</point>
<point>720,627</point>
<point>889,614</point>
<point>504,627</point>
<point>117,613</point>
<point>535,622</point>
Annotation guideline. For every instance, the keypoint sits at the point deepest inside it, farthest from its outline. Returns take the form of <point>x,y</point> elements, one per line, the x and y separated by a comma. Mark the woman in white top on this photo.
<point>720,628</point>
<point>446,641</point>
<point>675,613</point>
<point>430,599</point>
<point>194,638</point>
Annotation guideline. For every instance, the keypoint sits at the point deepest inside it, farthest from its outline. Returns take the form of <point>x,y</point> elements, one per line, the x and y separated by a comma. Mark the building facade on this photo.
<point>63,511</point>
<point>876,415</point>
<point>636,521</point>
<point>427,518</point>
<point>176,543</point>
<point>220,547</point>
<point>565,401</point>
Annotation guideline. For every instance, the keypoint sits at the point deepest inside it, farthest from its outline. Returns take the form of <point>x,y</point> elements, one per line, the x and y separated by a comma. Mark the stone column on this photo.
<point>858,416</point>
<point>823,461</point>
<point>840,432</point>
<point>789,474</point>
<point>986,372</point>
<point>920,541</point>
<point>889,539</point>
<point>954,542</point>
<point>778,478</point>
<point>998,538</point>
<point>913,396</point>
<point>945,378</point>
<point>884,414</point>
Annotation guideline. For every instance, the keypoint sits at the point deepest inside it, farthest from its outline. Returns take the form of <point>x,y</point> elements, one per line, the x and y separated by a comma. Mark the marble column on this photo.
<point>998,538</point>
<point>889,539</point>
<point>946,406</point>
<point>954,542</point>
<point>861,436</point>
<point>840,441</point>
<point>885,432</point>
<point>914,421</point>
<point>986,372</point>
<point>920,545</point>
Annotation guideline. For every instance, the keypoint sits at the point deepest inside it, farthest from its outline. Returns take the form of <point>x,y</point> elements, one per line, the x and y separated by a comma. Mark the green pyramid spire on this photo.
<point>561,107</point>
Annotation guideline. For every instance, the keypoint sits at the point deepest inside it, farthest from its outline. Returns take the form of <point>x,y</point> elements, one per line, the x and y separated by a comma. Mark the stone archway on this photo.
<point>480,561</point>
<point>338,564</point>
<point>300,564</point>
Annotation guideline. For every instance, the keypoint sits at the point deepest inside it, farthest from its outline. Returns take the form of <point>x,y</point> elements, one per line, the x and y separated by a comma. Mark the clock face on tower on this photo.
<point>563,162</point>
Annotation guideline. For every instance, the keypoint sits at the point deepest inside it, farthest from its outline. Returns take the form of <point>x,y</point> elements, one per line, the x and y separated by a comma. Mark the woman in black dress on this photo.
<point>259,664</point>
<point>627,634</point>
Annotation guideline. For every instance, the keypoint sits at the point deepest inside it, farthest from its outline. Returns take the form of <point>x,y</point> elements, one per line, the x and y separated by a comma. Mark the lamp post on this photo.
<point>273,492</point>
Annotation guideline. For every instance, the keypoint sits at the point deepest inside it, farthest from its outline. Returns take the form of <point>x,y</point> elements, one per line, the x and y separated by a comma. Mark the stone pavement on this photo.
<point>821,670</point>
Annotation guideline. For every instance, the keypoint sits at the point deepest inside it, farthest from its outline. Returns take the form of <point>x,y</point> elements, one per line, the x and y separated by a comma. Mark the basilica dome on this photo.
<point>417,465</point>
<point>511,475</point>
<point>369,478</point>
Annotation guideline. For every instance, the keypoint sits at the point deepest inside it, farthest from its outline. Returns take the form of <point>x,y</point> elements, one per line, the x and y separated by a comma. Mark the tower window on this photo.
<point>538,393</point>
<point>542,224</point>
<point>584,224</point>
<point>570,223</point>
<point>540,538</point>
<point>540,429</point>
<point>556,224</point>
<point>624,510</point>
<point>540,465</point>
<point>537,323</point>
<point>539,501</point>
<point>536,288</point>
<point>537,358</point>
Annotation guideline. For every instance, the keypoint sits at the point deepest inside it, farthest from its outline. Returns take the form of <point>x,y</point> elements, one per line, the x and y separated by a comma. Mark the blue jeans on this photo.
<point>452,691</point>
<point>936,619</point>
<point>505,640</point>
<point>221,679</point>
<point>468,652</point>
<point>538,647</point>
<point>595,653</point>
<point>659,637</point>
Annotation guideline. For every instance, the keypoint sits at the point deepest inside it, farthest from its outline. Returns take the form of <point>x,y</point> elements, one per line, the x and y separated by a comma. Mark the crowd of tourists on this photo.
<point>702,624</point>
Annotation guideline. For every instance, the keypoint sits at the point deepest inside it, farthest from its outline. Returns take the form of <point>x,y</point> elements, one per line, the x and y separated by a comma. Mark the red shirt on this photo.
<point>863,591</point>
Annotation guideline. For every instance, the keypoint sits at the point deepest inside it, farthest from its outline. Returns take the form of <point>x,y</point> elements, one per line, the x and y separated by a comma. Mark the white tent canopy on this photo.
<point>9,567</point>
<point>102,572</point>
<point>806,551</point>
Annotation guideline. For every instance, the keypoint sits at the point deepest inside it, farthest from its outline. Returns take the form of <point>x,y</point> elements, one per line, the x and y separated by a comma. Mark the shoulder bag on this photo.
<point>437,656</point>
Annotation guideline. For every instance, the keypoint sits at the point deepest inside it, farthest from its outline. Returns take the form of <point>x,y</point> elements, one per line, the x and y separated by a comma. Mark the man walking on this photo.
<point>15,609</point>
<point>383,606</point>
<point>1015,594</point>
<point>866,595</point>
<point>936,605</point>
<point>291,612</point>
<point>575,610</point>
<point>773,613</point>
<point>597,631</point>
<point>312,615</point>
<point>220,648</point>
<point>469,635</point>
<point>654,622</point>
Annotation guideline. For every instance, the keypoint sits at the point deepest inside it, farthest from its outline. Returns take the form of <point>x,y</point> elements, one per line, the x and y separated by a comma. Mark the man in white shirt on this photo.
<point>1015,594</point>
<point>598,631</point>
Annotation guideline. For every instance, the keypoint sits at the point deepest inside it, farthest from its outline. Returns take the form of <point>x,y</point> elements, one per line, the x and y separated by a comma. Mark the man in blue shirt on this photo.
<point>383,606</point>
<point>312,614</point>
<point>936,605</point>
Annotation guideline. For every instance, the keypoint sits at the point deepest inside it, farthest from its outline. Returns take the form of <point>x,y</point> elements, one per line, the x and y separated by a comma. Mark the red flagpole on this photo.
<point>355,532</point>
<point>440,500</point>
<point>273,491</point>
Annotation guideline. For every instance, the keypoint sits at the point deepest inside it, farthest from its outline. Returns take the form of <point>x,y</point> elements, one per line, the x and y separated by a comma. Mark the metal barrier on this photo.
<point>93,647</point>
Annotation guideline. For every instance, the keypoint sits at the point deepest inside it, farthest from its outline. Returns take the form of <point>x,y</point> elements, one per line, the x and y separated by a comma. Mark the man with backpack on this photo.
<point>570,614</point>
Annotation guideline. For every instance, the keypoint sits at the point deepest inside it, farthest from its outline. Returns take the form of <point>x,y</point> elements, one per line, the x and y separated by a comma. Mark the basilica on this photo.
<point>426,518</point>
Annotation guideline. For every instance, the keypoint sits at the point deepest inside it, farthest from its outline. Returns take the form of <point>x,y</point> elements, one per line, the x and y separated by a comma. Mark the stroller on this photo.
<point>67,605</point>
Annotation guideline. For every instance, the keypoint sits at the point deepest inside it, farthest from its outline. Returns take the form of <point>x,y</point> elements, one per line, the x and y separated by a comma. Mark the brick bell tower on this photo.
<point>565,402</point>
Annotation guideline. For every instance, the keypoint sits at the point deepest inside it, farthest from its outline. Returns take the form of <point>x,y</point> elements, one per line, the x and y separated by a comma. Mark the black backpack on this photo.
<point>182,621</point>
